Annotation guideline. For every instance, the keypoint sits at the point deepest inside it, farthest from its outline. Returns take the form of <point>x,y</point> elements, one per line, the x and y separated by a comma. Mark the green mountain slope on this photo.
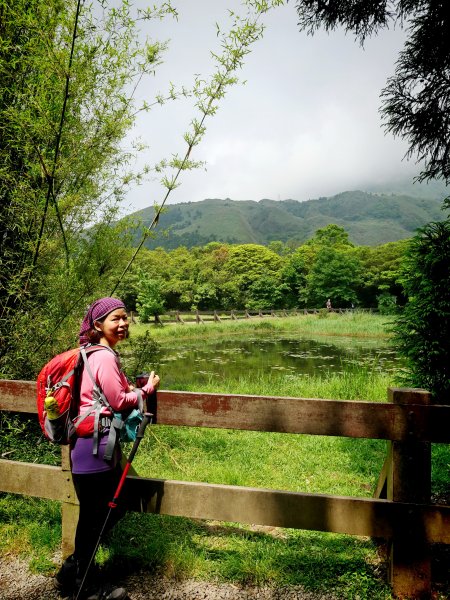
<point>370,219</point>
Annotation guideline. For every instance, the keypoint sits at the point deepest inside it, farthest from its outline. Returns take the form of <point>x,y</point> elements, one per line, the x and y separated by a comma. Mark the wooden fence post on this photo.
<point>69,508</point>
<point>409,480</point>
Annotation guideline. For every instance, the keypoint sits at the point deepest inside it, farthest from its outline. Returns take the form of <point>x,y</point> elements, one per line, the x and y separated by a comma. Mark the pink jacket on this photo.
<point>106,370</point>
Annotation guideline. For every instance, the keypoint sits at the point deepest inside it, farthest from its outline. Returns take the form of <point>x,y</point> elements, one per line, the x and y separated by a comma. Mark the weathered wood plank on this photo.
<point>409,480</point>
<point>70,513</point>
<point>411,471</point>
<point>358,419</point>
<point>319,512</point>
<point>305,415</point>
<point>406,519</point>
<point>385,474</point>
<point>18,396</point>
<point>43,481</point>
<point>280,414</point>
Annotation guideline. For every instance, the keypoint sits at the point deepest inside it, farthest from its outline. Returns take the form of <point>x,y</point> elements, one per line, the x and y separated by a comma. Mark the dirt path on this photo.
<point>17,583</point>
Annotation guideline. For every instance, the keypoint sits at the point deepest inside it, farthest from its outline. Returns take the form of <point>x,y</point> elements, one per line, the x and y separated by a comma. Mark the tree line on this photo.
<point>221,276</point>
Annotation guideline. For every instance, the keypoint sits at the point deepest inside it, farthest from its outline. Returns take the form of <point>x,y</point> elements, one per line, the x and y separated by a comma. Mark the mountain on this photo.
<point>369,218</point>
<point>430,190</point>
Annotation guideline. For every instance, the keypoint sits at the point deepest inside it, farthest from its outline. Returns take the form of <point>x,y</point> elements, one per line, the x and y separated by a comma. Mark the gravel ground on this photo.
<point>17,583</point>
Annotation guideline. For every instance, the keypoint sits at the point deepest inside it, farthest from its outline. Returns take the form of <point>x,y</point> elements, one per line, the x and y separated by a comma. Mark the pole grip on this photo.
<point>140,434</point>
<point>152,406</point>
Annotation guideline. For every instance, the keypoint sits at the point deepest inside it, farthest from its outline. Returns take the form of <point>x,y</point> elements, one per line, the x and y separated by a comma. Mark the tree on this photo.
<point>278,247</point>
<point>381,267</point>
<point>180,282</point>
<point>295,273</point>
<point>416,99</point>
<point>422,332</point>
<point>308,277</point>
<point>66,102</point>
<point>336,274</point>
<point>331,235</point>
<point>247,263</point>
<point>266,292</point>
<point>152,264</point>
<point>149,299</point>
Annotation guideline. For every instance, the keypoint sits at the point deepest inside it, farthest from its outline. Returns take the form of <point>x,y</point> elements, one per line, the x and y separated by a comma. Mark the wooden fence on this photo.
<point>400,512</point>
<point>215,316</point>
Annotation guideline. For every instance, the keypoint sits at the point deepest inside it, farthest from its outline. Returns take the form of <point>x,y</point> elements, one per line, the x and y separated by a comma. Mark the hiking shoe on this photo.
<point>66,576</point>
<point>105,592</point>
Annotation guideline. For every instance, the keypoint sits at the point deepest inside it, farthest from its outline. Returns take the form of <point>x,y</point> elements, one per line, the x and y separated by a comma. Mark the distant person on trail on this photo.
<point>328,304</point>
<point>95,478</point>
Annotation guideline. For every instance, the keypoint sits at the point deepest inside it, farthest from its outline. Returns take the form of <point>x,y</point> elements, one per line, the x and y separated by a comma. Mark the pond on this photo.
<point>224,359</point>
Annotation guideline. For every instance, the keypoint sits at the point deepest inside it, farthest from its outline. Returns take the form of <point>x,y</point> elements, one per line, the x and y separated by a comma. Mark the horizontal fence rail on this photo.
<point>347,418</point>
<point>400,512</point>
<point>277,508</point>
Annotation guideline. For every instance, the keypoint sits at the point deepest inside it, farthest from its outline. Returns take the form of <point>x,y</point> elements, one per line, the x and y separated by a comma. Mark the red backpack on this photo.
<point>58,390</point>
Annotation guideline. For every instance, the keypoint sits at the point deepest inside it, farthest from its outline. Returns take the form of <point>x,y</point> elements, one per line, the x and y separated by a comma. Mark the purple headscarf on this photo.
<point>98,309</point>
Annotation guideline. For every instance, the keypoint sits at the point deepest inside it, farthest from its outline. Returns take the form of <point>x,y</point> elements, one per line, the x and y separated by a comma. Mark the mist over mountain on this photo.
<point>369,218</point>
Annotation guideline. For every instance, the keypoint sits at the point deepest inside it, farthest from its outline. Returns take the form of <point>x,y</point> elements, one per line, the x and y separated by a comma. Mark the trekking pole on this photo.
<point>113,503</point>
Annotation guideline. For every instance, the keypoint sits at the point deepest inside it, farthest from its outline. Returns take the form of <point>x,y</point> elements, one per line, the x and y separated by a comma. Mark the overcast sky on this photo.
<point>306,123</point>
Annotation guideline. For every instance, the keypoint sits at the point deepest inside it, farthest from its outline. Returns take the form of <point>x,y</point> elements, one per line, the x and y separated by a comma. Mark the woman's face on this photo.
<point>114,328</point>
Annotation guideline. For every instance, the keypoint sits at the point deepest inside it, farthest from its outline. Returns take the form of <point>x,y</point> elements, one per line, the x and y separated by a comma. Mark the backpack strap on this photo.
<point>116,426</point>
<point>99,398</point>
<point>140,397</point>
<point>101,401</point>
<point>61,383</point>
<point>97,389</point>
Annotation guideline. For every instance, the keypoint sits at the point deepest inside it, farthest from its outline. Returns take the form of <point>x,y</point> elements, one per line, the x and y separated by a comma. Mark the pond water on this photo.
<point>203,360</point>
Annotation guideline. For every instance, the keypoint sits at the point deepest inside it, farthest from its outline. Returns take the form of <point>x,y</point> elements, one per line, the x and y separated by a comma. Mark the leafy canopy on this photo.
<point>423,329</point>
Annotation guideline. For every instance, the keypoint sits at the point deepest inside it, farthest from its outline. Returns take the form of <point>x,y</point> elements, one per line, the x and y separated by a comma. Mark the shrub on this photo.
<point>422,331</point>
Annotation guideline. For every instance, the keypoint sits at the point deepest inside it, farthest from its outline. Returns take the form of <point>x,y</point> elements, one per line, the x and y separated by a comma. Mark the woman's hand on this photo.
<point>154,380</point>
<point>152,383</point>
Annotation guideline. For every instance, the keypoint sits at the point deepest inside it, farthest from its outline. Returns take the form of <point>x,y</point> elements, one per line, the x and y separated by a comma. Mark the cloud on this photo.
<point>306,124</point>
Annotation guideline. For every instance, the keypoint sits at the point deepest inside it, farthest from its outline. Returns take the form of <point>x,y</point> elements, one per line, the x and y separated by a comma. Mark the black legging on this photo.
<point>94,492</point>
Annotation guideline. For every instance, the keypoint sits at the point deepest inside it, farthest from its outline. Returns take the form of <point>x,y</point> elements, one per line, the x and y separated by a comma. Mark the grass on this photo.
<point>267,460</point>
<point>346,566</point>
<point>31,529</point>
<point>256,556</point>
<point>357,324</point>
<point>356,383</point>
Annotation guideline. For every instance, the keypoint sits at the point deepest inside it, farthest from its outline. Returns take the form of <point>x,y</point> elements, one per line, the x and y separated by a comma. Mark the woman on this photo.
<point>95,478</point>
